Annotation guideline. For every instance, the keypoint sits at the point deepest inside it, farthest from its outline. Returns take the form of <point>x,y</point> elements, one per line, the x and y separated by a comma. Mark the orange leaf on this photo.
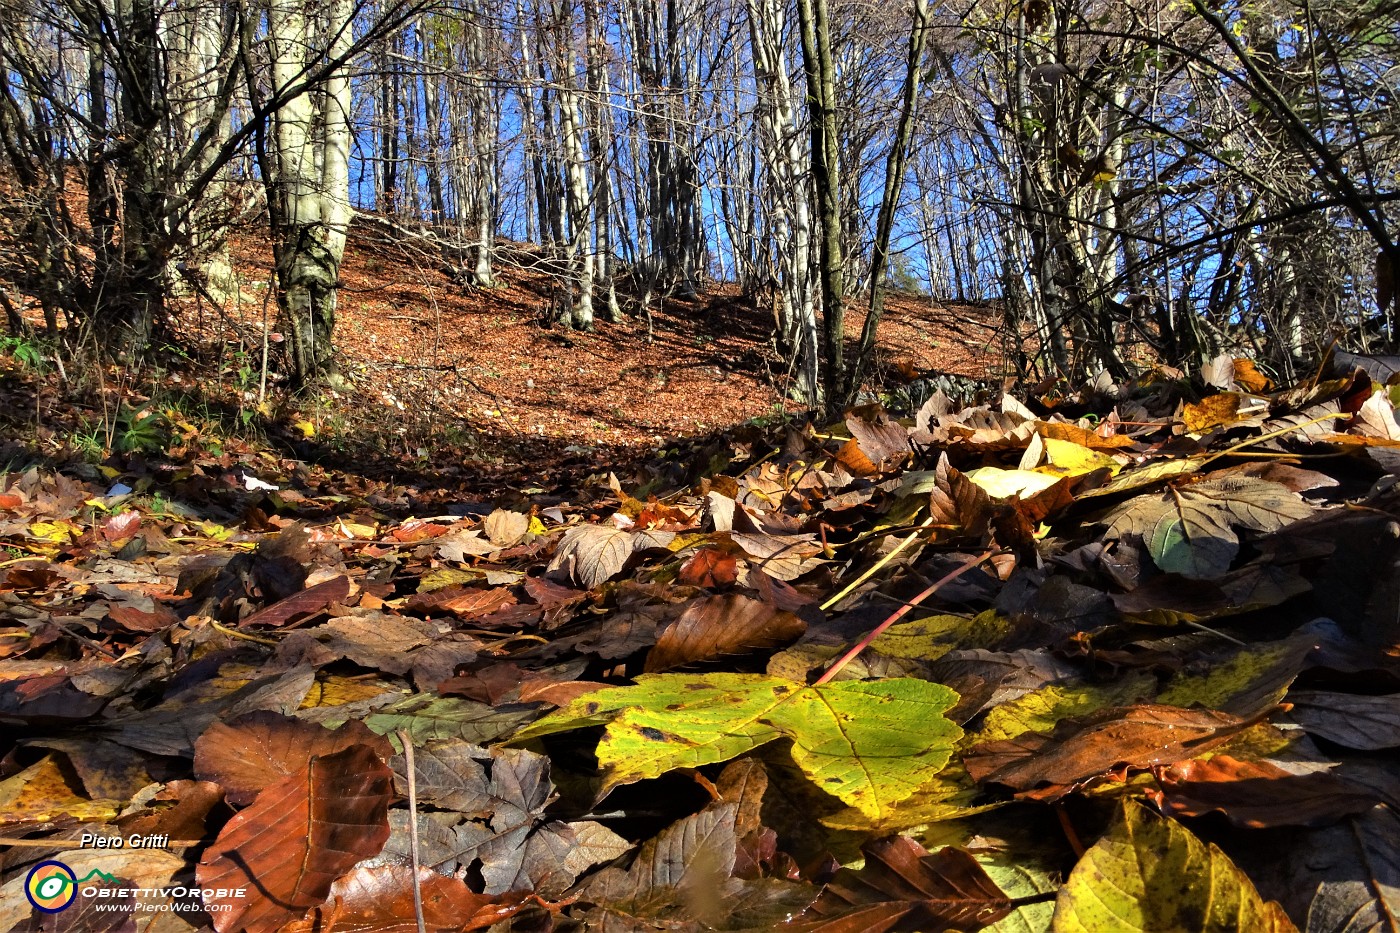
<point>285,851</point>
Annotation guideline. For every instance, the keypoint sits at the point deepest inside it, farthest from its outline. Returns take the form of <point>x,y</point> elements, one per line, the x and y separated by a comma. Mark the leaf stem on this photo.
<point>901,612</point>
<point>875,568</point>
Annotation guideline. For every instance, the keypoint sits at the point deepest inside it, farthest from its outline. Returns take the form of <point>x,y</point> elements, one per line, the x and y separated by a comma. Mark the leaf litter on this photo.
<point>1079,661</point>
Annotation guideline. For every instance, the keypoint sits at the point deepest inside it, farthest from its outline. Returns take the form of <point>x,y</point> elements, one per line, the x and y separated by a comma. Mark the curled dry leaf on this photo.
<point>301,834</point>
<point>710,567</point>
<point>715,626</point>
<point>1257,794</point>
<point>1046,767</point>
<point>311,600</point>
<point>903,887</point>
<point>380,900</point>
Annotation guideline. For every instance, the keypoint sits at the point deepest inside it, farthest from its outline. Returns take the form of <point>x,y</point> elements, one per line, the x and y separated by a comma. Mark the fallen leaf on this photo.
<point>505,528</point>
<point>669,721</point>
<point>253,751</point>
<point>1046,767</point>
<point>903,887</point>
<point>1151,874</point>
<point>594,554</point>
<point>1256,794</point>
<point>311,600</point>
<point>1188,529</point>
<point>1368,723</point>
<point>715,626</point>
<point>381,900</point>
<point>300,835</point>
<point>710,567</point>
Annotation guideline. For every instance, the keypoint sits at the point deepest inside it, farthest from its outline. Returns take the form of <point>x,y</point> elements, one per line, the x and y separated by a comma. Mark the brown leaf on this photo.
<point>903,887</point>
<point>715,626</point>
<point>854,459</point>
<point>884,441</point>
<point>594,554</point>
<point>262,748</point>
<point>297,838</point>
<point>1082,748</point>
<point>417,529</point>
<point>311,600</point>
<point>505,528</point>
<point>377,640</point>
<point>137,620</point>
<point>785,557</point>
<point>687,863</point>
<point>1257,794</point>
<point>120,527</point>
<point>184,819</point>
<point>1367,723</point>
<point>464,602</point>
<point>710,567</point>
<point>380,900</point>
<point>957,501</point>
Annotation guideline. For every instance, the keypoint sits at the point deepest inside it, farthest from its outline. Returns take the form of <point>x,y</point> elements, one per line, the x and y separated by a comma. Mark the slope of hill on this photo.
<point>488,360</point>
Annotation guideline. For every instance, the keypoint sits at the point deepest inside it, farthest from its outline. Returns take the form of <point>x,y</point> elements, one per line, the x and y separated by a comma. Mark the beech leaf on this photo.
<point>297,838</point>
<point>715,626</point>
<point>263,747</point>
<point>869,744</point>
<point>1079,749</point>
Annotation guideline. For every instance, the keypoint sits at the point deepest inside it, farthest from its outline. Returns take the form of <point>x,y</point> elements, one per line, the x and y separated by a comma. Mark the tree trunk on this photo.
<point>815,25</point>
<point>311,205</point>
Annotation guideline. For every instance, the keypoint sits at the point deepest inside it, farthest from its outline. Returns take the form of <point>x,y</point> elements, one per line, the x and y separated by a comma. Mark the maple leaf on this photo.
<point>838,730</point>
<point>1189,529</point>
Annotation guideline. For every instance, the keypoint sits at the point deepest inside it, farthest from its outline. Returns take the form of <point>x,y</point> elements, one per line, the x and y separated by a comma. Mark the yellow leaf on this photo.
<point>1146,476</point>
<point>1004,484</point>
<point>357,530</point>
<point>1222,409</point>
<point>305,427</point>
<point>41,793</point>
<point>537,526</point>
<point>1066,458</point>
<point>215,531</point>
<point>57,532</point>
<point>1151,873</point>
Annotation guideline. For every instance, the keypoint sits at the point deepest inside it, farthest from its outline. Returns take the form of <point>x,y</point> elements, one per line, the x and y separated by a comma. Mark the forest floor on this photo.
<point>475,388</point>
<point>487,364</point>
<point>1025,661</point>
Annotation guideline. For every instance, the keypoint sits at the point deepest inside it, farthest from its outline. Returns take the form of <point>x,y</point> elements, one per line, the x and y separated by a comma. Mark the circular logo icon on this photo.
<point>51,886</point>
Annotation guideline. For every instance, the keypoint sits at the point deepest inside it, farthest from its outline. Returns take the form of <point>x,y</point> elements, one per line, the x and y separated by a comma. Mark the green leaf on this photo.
<point>870,744</point>
<point>1189,529</point>
<point>1150,873</point>
<point>429,719</point>
<point>1040,710</point>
